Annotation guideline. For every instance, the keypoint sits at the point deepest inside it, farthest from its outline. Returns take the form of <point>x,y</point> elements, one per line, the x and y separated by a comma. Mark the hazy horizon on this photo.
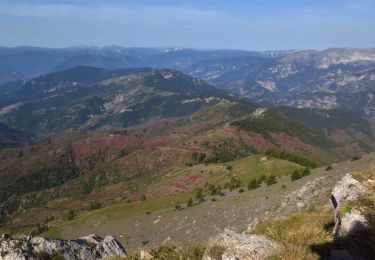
<point>181,47</point>
<point>210,24</point>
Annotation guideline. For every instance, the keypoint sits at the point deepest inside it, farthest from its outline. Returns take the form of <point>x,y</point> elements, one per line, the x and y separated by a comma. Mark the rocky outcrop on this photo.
<point>300,198</point>
<point>351,222</point>
<point>30,248</point>
<point>234,246</point>
<point>348,218</point>
<point>347,190</point>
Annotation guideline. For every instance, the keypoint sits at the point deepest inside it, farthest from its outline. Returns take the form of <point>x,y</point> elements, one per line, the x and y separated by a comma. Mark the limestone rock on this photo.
<point>347,219</point>
<point>301,197</point>
<point>242,246</point>
<point>352,222</point>
<point>90,247</point>
<point>347,190</point>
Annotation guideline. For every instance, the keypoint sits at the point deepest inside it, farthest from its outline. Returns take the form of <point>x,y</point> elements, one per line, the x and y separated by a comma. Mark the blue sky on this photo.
<point>235,24</point>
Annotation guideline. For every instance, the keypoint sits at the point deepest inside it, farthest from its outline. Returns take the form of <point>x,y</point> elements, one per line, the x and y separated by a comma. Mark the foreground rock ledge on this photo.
<point>90,247</point>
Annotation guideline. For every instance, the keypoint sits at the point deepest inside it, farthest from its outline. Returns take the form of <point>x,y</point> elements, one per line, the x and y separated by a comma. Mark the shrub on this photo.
<point>143,197</point>
<point>271,180</point>
<point>144,242</point>
<point>94,205</point>
<point>355,158</point>
<point>262,178</point>
<point>199,194</point>
<point>213,190</point>
<point>328,168</point>
<point>198,157</point>
<point>305,172</point>
<point>283,186</point>
<point>295,175</point>
<point>71,215</point>
<point>229,167</point>
<point>48,219</point>
<point>298,174</point>
<point>241,190</point>
<point>86,186</point>
<point>40,228</point>
<point>177,206</point>
<point>235,183</point>
<point>189,202</point>
<point>253,184</point>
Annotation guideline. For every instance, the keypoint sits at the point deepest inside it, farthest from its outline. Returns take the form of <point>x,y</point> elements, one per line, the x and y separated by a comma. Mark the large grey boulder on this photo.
<point>237,246</point>
<point>90,248</point>
<point>301,197</point>
<point>347,190</point>
<point>351,222</point>
<point>348,218</point>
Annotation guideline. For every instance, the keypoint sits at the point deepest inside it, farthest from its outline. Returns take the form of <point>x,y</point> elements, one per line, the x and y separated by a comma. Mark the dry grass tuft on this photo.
<point>364,175</point>
<point>216,251</point>
<point>187,251</point>
<point>298,233</point>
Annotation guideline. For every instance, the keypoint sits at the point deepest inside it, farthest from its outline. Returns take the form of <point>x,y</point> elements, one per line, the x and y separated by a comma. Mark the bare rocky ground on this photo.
<point>233,211</point>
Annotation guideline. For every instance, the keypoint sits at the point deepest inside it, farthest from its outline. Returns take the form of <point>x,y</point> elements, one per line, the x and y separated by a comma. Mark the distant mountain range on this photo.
<point>22,63</point>
<point>333,78</point>
<point>340,78</point>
